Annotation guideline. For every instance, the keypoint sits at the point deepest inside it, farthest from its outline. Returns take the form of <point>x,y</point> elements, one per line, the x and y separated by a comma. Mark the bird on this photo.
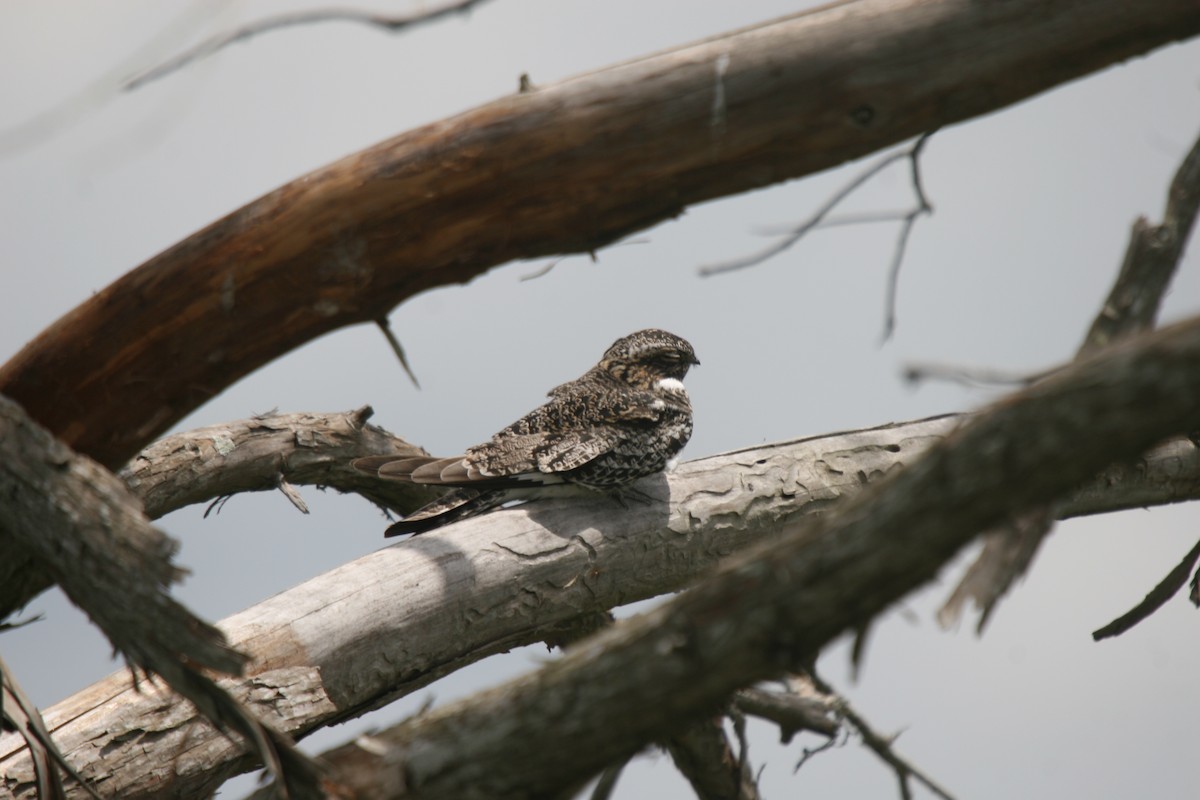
<point>625,418</point>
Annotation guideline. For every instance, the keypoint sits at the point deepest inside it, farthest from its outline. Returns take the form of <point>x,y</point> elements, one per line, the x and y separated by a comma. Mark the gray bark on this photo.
<point>395,620</point>
<point>774,607</point>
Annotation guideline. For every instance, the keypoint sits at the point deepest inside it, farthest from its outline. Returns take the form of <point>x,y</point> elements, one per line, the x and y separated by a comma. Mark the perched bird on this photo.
<point>622,420</point>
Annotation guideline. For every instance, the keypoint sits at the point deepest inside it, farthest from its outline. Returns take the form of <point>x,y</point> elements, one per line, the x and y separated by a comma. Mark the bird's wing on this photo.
<point>564,434</point>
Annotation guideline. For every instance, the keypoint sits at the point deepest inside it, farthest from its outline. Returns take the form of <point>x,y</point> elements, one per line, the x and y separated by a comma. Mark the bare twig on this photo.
<point>386,326</point>
<point>608,781</point>
<point>910,219</point>
<point>543,271</point>
<point>819,219</point>
<point>1150,261</point>
<point>217,504</point>
<point>17,712</point>
<point>1158,596</point>
<point>809,752</point>
<point>973,377</point>
<point>292,495</point>
<point>391,23</point>
<point>739,729</point>
<point>882,746</point>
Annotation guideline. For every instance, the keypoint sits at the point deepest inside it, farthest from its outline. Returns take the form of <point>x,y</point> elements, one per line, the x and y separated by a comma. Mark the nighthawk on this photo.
<point>622,420</point>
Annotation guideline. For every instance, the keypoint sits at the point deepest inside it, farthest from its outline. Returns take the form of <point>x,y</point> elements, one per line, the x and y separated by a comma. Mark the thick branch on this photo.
<point>778,604</point>
<point>578,164</point>
<point>66,518</point>
<point>392,622</point>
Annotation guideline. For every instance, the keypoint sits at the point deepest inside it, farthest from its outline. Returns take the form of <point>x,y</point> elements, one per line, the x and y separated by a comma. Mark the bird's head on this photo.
<point>645,358</point>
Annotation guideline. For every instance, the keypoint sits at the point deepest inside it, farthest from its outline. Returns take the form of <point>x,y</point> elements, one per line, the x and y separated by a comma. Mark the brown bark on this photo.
<point>562,168</point>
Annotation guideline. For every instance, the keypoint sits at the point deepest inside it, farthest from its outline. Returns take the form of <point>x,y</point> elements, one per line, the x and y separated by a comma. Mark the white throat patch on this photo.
<point>671,385</point>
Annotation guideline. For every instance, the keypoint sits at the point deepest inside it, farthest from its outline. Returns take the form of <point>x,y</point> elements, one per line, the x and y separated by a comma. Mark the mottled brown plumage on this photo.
<point>623,419</point>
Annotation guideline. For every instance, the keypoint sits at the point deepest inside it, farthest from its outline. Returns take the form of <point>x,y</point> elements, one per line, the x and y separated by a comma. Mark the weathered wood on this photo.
<point>561,168</point>
<point>778,604</point>
<point>259,453</point>
<point>75,523</point>
<point>395,620</point>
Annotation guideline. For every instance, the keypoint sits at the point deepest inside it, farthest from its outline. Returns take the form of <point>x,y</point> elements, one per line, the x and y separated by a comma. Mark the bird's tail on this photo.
<point>451,507</point>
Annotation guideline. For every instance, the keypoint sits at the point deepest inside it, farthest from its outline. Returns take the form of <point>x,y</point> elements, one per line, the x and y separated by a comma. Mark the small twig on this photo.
<point>739,729</point>
<point>397,348</point>
<point>291,494</point>
<point>215,43</point>
<point>591,253</point>
<point>841,220</point>
<point>911,153</point>
<point>910,219</point>
<point>543,271</point>
<point>608,780</point>
<point>974,377</point>
<point>882,746</point>
<point>18,713</point>
<point>1158,596</point>
<point>216,505</point>
<point>809,752</point>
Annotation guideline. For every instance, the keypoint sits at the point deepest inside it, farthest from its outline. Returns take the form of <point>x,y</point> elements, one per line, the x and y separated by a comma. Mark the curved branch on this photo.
<point>579,164</point>
<point>255,454</point>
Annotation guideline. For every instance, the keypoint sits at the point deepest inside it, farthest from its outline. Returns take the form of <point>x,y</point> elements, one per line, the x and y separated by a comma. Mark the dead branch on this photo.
<point>427,606</point>
<point>881,746</point>
<point>1158,596</point>
<point>391,23</point>
<point>253,455</point>
<point>779,603</point>
<point>67,520</point>
<point>581,163</point>
<point>820,218</point>
<point>18,713</point>
<point>1151,260</point>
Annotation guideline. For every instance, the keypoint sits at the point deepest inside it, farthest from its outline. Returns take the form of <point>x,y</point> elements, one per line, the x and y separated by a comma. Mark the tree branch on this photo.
<point>1150,261</point>
<point>1132,306</point>
<point>251,455</point>
<point>581,163</point>
<point>882,746</point>
<point>778,604</point>
<point>392,23</point>
<point>427,606</point>
<point>65,518</point>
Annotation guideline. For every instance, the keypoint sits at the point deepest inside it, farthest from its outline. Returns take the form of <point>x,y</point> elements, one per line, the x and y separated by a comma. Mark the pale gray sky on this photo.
<point>1034,205</point>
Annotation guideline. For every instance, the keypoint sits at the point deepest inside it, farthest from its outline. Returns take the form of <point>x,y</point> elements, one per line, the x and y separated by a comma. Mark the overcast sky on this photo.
<point>1033,208</point>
